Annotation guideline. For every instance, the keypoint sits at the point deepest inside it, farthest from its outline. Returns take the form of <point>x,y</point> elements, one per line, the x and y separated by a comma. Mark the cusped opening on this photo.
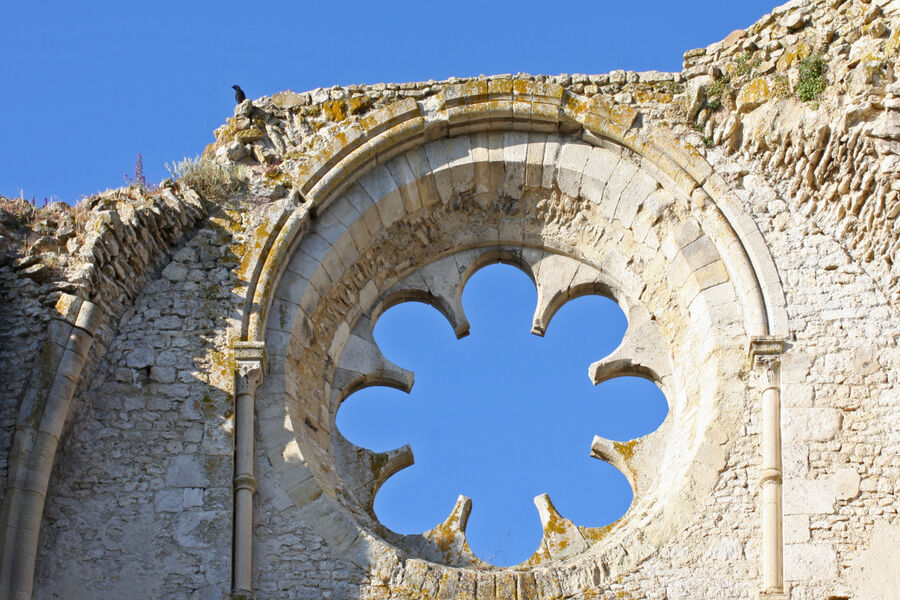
<point>501,416</point>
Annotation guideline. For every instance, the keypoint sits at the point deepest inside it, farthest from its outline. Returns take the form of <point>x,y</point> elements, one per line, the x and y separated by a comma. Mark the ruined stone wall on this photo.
<point>840,382</point>
<point>102,250</point>
<point>140,498</point>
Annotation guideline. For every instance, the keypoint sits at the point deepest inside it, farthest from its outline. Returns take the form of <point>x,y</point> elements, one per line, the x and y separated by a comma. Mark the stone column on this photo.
<point>250,364</point>
<point>765,352</point>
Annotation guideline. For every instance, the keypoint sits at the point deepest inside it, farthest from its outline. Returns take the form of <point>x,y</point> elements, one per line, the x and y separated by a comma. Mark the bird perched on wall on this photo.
<point>239,95</point>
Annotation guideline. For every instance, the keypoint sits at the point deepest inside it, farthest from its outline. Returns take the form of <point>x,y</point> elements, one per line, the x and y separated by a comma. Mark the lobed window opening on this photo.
<point>502,415</point>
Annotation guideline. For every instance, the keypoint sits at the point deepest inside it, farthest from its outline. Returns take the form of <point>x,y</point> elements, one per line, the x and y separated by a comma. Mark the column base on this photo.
<point>241,595</point>
<point>782,594</point>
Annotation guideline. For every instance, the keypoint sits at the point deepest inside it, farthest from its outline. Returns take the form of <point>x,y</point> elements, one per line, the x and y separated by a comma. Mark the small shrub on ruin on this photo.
<point>781,86</point>
<point>715,92</point>
<point>746,64</point>
<point>812,78</point>
<point>208,178</point>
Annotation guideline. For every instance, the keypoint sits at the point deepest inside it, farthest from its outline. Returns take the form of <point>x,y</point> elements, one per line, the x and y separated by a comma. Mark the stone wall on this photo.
<point>140,499</point>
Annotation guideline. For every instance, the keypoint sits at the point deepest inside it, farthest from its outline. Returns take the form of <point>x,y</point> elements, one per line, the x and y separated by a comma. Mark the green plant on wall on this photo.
<point>714,94</point>
<point>781,87</point>
<point>746,64</point>
<point>812,82</point>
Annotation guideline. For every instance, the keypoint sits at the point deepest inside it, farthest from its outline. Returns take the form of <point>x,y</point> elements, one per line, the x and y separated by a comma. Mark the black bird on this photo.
<point>239,95</point>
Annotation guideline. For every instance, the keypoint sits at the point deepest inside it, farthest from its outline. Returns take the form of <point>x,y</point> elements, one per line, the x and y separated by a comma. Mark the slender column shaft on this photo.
<point>770,481</point>
<point>250,358</point>
<point>766,356</point>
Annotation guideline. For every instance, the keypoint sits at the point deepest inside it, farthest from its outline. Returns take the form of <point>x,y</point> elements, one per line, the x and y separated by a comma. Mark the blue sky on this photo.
<point>87,86</point>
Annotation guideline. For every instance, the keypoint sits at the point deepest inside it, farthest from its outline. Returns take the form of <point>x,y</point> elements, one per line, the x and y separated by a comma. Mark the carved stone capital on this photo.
<point>765,356</point>
<point>250,365</point>
<point>765,349</point>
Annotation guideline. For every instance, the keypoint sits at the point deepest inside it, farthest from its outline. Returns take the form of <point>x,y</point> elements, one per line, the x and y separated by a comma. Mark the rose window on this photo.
<point>363,366</point>
<point>502,416</point>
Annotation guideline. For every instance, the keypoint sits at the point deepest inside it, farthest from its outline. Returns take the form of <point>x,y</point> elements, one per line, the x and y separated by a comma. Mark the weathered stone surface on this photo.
<point>796,529</point>
<point>811,424</point>
<point>806,496</point>
<point>810,562</point>
<point>186,471</point>
<point>142,482</point>
<point>752,95</point>
<point>876,572</point>
<point>175,272</point>
<point>847,481</point>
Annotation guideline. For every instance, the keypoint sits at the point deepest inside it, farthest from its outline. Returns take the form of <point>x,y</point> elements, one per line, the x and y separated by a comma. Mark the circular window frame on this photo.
<point>369,544</point>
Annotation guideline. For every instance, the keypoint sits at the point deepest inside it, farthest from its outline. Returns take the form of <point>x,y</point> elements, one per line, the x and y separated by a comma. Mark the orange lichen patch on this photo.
<point>500,87</point>
<point>541,555</point>
<point>274,175</point>
<point>893,43</point>
<point>449,537</point>
<point>287,99</point>
<point>209,151</point>
<point>650,95</point>
<point>626,449</point>
<point>792,55</point>
<point>405,593</point>
<point>595,534</point>
<point>225,133</point>
<point>448,578</point>
<point>490,109</point>
<point>575,105</point>
<point>561,537</point>
<point>220,366</point>
<point>251,134</point>
<point>313,110</point>
<point>335,110</point>
<point>548,89</point>
<point>556,524</point>
<point>622,116</point>
<point>359,104</point>
<point>752,95</point>
<point>252,252</point>
<point>595,123</point>
<point>471,91</point>
<point>600,106</point>
<point>522,86</point>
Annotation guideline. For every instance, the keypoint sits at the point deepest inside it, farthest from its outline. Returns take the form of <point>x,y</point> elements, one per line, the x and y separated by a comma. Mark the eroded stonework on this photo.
<point>171,432</point>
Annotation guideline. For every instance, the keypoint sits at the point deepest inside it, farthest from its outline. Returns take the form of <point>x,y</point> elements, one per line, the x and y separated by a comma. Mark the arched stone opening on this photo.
<point>577,218</point>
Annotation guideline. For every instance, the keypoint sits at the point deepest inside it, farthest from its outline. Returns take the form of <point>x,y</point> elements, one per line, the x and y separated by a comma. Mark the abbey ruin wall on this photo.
<point>174,356</point>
